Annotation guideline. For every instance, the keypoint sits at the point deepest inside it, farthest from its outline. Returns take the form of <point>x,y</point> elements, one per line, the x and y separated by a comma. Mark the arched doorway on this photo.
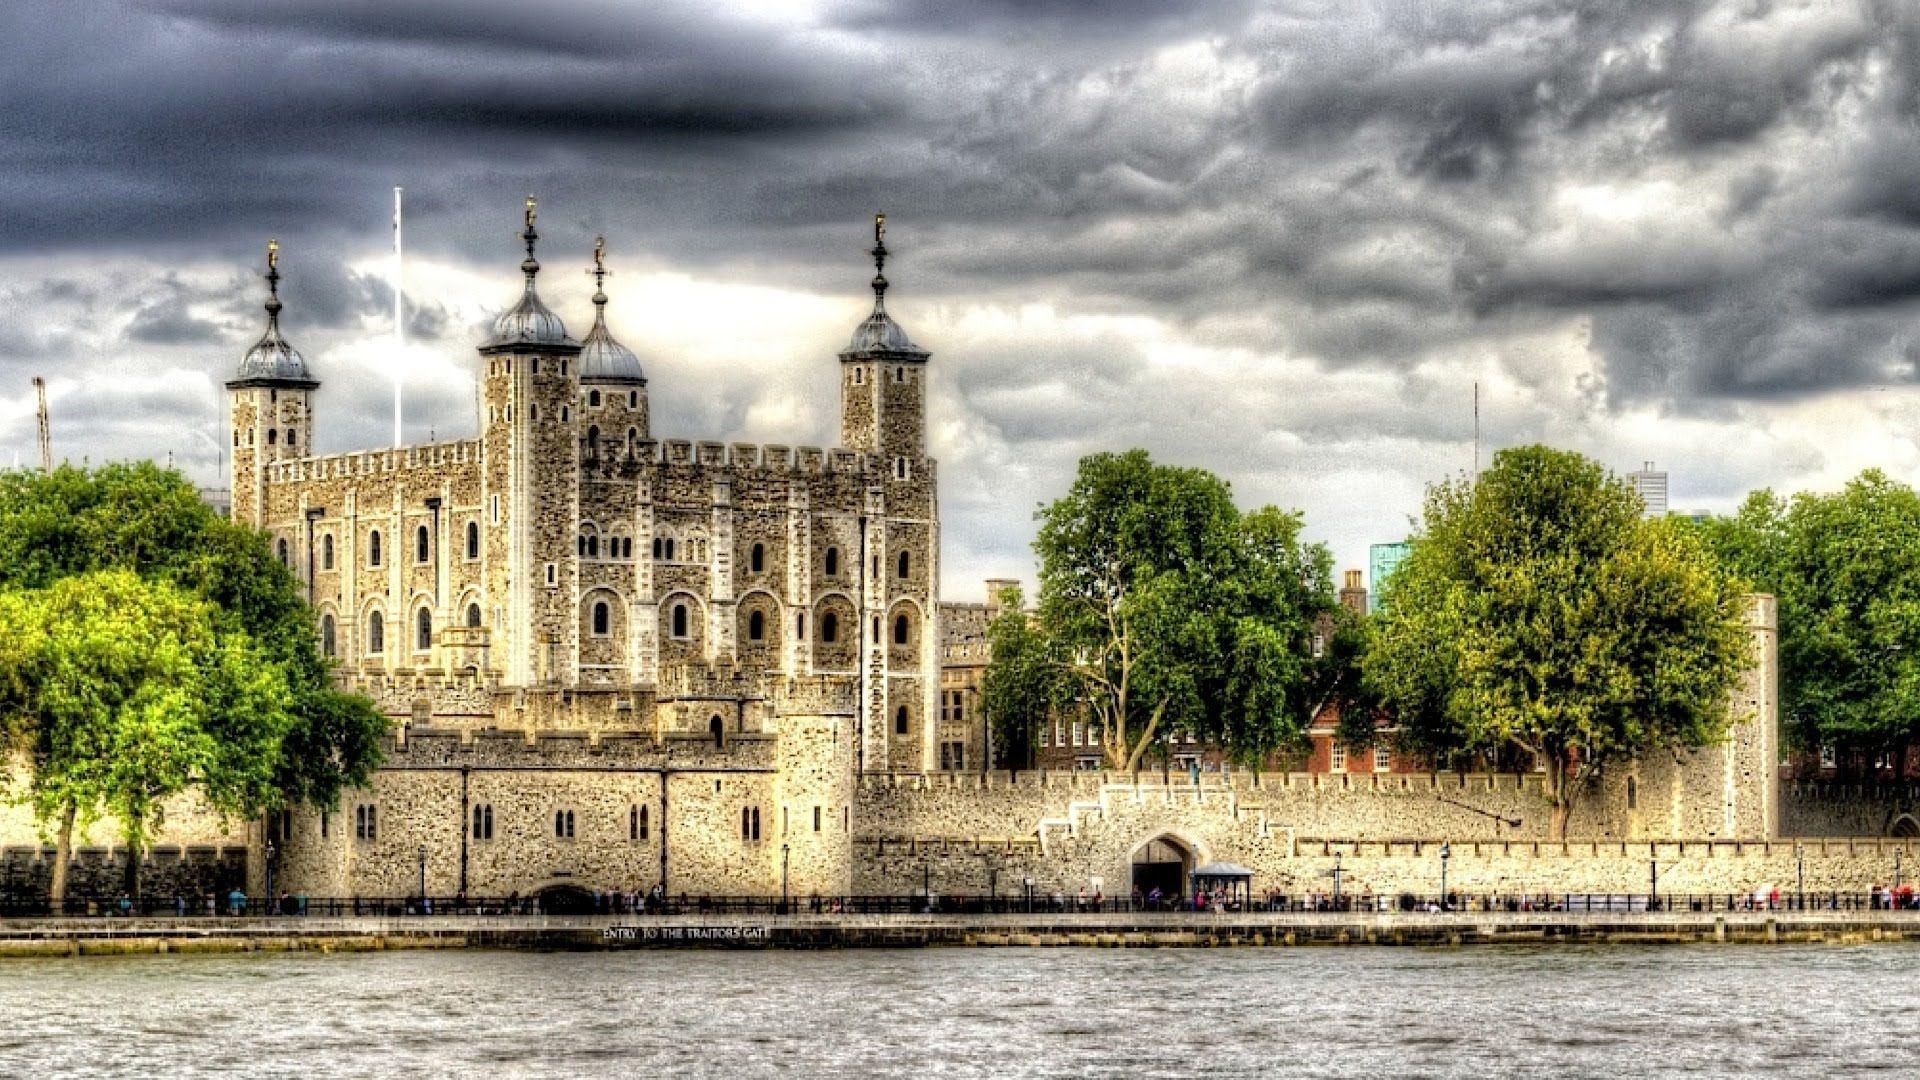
<point>1162,864</point>
<point>565,900</point>
<point>1904,827</point>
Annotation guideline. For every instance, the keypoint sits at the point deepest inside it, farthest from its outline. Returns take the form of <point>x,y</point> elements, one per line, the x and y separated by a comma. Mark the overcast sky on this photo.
<point>1281,241</point>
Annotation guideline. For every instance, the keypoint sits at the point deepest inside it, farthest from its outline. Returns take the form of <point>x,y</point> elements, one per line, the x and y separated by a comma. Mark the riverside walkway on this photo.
<point>121,936</point>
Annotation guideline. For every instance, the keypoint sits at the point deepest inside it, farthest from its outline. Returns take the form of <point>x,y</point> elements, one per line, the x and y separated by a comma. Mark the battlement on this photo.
<point>434,456</point>
<point>1228,780</point>
<point>741,457</point>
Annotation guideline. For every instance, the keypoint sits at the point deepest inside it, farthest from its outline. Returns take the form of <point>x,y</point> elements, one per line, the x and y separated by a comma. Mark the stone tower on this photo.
<point>883,414</point>
<point>269,408</point>
<point>531,483</point>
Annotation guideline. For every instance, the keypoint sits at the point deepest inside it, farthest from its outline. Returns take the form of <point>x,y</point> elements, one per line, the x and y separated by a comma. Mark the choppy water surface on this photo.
<point>1482,1011</point>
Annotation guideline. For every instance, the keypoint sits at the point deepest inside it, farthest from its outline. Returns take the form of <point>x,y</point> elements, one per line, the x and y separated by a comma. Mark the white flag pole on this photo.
<point>399,321</point>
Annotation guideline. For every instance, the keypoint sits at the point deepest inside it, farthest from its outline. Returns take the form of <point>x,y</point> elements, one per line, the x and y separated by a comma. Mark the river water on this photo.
<point>1484,1012</point>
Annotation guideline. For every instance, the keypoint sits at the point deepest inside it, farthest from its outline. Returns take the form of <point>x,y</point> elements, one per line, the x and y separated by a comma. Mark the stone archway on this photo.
<point>1165,864</point>
<point>565,900</point>
<point>1904,827</point>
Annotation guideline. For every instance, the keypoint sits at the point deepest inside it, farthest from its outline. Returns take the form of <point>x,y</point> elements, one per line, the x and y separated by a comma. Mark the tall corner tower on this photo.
<point>530,383</point>
<point>883,414</point>
<point>269,408</point>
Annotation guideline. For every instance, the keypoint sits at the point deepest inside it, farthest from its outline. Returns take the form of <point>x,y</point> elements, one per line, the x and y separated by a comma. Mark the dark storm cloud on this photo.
<point>1717,195</point>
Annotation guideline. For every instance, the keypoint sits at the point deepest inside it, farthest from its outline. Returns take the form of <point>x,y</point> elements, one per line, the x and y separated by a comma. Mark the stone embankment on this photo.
<point>107,937</point>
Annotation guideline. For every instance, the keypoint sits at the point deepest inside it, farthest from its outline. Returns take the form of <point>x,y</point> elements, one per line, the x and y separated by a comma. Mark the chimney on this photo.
<point>1353,595</point>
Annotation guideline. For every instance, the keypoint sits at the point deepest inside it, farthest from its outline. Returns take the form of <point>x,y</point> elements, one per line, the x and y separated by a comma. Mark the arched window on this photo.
<point>326,552</point>
<point>756,627</point>
<point>280,547</point>
<point>633,439</point>
<point>473,616</point>
<point>326,635</point>
<point>900,629</point>
<point>718,730</point>
<point>593,398</point>
<point>669,549</point>
<point>800,626</point>
<point>749,823</point>
<point>290,439</point>
<point>593,440</point>
<point>833,562</point>
<point>273,436</point>
<point>422,544</point>
<point>373,548</point>
<point>563,824</point>
<point>423,630</point>
<point>483,822</point>
<point>533,411</point>
<point>633,399</point>
<point>679,620</point>
<point>376,633</point>
<point>601,617</point>
<point>758,560</point>
<point>905,564</point>
<point>900,720</point>
<point>829,627</point>
<point>473,539</point>
<point>637,822</point>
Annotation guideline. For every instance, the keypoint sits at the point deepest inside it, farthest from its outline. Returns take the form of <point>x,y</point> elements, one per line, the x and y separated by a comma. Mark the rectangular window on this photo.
<point>1382,759</point>
<point>1079,731</point>
<point>1338,761</point>
<point>816,819</point>
<point>1828,759</point>
<point>1059,739</point>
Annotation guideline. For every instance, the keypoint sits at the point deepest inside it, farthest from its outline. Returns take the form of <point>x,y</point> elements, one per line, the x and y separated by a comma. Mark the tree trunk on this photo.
<point>1562,797</point>
<point>130,883</point>
<point>62,855</point>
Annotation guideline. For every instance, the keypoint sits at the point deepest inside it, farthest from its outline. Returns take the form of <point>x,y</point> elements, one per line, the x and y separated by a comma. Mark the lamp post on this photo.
<point>926,882</point>
<point>783,879</point>
<point>1799,878</point>
<point>1653,884</point>
<point>1896,868</point>
<point>1336,880</point>
<point>1446,852</point>
<point>993,885</point>
<point>1029,887</point>
<point>423,875</point>
<point>271,851</point>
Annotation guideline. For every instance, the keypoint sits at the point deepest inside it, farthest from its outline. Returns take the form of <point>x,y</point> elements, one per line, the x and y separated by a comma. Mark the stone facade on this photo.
<point>684,650</point>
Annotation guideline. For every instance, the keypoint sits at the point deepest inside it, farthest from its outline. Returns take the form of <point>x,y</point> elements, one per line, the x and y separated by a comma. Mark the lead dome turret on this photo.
<point>530,322</point>
<point>273,361</point>
<point>602,359</point>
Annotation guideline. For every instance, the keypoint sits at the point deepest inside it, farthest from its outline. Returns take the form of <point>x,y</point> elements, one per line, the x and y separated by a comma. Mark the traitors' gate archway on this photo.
<point>1162,863</point>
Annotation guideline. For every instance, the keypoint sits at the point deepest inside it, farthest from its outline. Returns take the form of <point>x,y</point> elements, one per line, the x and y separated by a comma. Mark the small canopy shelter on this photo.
<point>1231,878</point>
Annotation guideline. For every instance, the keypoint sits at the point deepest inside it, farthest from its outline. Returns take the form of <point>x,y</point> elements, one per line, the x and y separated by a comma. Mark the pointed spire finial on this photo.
<point>273,282</point>
<point>879,262</point>
<point>530,266</point>
<point>599,271</point>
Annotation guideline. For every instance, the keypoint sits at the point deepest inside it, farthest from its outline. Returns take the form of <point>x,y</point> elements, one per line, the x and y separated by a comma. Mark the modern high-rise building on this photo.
<point>1382,559</point>
<point>1651,485</point>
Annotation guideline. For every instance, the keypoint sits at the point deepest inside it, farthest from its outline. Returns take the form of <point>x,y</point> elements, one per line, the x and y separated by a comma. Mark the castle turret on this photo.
<point>269,413</point>
<point>612,383</point>
<point>531,482</point>
<point>883,377</point>
<point>883,413</point>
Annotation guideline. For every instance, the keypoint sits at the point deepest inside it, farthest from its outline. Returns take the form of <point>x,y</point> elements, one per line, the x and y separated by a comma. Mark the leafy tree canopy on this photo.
<point>1171,610</point>
<point>1024,683</point>
<point>150,521</point>
<point>1538,611</point>
<point>1845,567</point>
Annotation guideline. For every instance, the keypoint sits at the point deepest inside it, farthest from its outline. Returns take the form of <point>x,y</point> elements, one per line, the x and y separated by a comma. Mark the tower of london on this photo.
<point>611,657</point>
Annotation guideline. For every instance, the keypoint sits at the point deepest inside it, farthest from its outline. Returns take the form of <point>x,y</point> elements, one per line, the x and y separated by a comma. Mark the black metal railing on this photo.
<point>237,905</point>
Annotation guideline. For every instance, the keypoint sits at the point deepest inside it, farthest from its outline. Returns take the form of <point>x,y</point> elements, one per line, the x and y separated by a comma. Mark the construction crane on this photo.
<point>46,433</point>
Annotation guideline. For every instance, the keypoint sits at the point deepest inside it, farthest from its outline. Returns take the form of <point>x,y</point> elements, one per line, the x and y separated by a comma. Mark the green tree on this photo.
<point>122,692</point>
<point>1537,611</point>
<point>1845,567</point>
<point>150,521</point>
<point>1023,684</point>
<point>1173,611</point>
